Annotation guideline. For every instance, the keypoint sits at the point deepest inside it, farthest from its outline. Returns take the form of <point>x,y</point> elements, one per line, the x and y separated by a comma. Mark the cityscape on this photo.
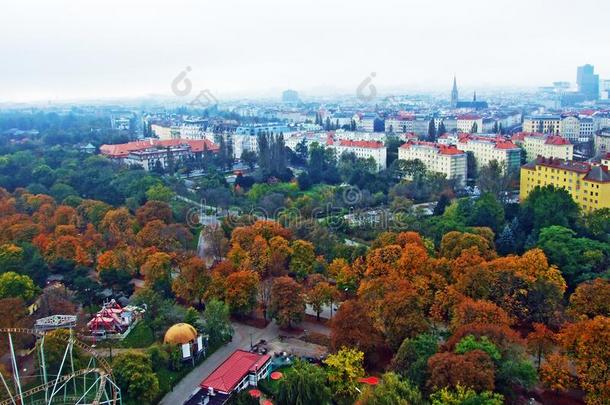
<point>257,203</point>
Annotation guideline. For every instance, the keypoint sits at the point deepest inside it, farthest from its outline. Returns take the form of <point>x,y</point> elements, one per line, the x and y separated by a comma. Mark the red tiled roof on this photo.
<point>123,149</point>
<point>226,376</point>
<point>442,149</point>
<point>361,144</point>
<point>556,140</point>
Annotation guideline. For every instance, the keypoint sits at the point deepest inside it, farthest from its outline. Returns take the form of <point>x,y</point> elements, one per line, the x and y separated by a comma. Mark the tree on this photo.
<point>159,192</point>
<point>287,304</point>
<point>302,258</point>
<point>242,288</point>
<point>590,299</point>
<point>470,343</point>
<point>391,390</point>
<point>586,342</point>
<point>474,369</point>
<point>352,326</point>
<point>11,258</point>
<point>579,259</point>
<point>152,210</point>
<point>319,295</point>
<point>249,157</point>
<point>539,210</point>
<point>494,178</point>
<point>465,396</point>
<point>478,311</point>
<point>540,342</point>
<point>487,211</point>
<point>411,359</point>
<point>157,271</point>
<point>304,384</point>
<point>13,285</point>
<point>134,375</point>
<point>192,281</point>
<point>441,129</point>
<point>217,322</point>
<point>344,370</point>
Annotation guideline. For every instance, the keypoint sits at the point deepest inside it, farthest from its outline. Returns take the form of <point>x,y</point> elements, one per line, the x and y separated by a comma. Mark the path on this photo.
<point>241,340</point>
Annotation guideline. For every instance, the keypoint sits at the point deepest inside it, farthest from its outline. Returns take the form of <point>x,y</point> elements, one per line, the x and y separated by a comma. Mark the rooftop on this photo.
<point>442,149</point>
<point>226,376</point>
<point>123,149</point>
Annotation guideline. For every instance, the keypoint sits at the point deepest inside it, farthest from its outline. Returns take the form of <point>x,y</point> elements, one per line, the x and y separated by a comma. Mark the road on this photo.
<point>241,340</point>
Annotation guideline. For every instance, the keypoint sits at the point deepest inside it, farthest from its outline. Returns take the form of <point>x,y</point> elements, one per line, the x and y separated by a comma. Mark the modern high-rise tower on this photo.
<point>588,82</point>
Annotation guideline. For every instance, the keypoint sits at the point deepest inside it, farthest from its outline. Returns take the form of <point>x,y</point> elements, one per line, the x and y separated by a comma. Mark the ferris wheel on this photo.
<point>83,380</point>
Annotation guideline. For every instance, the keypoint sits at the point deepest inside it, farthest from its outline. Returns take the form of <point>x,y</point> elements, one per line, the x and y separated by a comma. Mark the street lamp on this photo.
<point>251,345</point>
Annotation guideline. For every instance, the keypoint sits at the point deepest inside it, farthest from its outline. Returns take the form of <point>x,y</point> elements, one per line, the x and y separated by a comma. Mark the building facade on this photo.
<point>486,149</point>
<point>362,149</point>
<point>536,144</point>
<point>588,184</point>
<point>437,158</point>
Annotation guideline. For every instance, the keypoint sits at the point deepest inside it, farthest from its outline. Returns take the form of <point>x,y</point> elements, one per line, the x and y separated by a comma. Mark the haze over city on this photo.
<point>98,49</point>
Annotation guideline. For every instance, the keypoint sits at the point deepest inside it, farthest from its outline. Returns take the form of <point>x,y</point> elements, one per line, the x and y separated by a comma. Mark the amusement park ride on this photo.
<point>67,383</point>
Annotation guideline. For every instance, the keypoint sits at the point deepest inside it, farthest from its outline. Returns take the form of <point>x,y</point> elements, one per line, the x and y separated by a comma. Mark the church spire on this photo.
<point>454,93</point>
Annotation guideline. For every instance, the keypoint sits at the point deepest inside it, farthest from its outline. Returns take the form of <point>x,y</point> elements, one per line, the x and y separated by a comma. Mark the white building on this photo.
<point>437,158</point>
<point>466,122</point>
<point>399,124</point>
<point>362,149</point>
<point>536,144</point>
<point>488,148</point>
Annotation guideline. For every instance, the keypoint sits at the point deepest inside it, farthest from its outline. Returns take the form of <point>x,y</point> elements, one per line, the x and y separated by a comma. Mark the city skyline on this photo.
<point>67,50</point>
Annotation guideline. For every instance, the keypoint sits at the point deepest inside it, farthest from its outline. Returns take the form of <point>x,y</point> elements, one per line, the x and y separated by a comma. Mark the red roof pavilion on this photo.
<point>226,376</point>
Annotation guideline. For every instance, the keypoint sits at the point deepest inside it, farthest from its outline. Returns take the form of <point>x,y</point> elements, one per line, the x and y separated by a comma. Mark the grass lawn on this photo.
<point>141,336</point>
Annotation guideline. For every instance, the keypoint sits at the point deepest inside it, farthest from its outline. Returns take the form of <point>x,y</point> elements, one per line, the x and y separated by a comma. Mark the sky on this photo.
<point>70,49</point>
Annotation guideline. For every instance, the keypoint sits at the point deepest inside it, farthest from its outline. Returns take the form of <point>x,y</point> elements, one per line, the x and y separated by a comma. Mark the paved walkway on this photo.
<point>241,340</point>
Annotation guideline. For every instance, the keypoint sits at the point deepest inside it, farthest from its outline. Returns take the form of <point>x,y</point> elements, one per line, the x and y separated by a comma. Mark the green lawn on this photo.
<point>141,336</point>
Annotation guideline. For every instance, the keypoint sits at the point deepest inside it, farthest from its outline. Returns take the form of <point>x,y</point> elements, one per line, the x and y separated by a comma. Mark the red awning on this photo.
<point>369,380</point>
<point>255,393</point>
<point>276,375</point>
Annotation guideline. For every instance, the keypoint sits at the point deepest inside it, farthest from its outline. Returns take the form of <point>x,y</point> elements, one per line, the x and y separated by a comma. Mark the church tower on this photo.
<point>454,94</point>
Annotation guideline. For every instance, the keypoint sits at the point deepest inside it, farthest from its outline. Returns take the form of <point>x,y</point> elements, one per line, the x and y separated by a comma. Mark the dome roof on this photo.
<point>179,334</point>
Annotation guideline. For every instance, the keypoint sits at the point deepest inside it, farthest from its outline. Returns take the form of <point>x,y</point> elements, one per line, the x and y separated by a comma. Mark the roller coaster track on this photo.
<point>105,371</point>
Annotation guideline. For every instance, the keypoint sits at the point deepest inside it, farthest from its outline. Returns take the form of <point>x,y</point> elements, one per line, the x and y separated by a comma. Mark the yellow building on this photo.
<point>588,184</point>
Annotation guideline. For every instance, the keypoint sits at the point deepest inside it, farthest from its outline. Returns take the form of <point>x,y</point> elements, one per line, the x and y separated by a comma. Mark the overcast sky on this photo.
<point>61,49</point>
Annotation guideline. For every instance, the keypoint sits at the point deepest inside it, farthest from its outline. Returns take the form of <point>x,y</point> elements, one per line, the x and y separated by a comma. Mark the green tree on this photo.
<point>13,285</point>
<point>392,391</point>
<point>11,258</point>
<point>546,206</point>
<point>431,131</point>
<point>579,259</point>
<point>159,192</point>
<point>411,360</point>
<point>465,396</point>
<point>134,375</point>
<point>304,384</point>
<point>249,157</point>
<point>470,343</point>
<point>487,211</point>
<point>217,322</point>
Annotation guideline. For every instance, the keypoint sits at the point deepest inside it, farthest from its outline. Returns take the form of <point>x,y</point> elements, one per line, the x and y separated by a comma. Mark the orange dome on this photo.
<point>179,334</point>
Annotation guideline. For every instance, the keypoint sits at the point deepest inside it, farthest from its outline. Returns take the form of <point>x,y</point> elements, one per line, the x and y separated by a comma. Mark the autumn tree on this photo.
<point>118,226</point>
<point>586,343</point>
<point>540,342</point>
<point>319,295</point>
<point>241,291</point>
<point>590,299</point>
<point>302,259</point>
<point>474,369</point>
<point>154,210</point>
<point>344,370</point>
<point>453,243</point>
<point>192,281</point>
<point>478,311</point>
<point>352,326</point>
<point>287,302</point>
<point>157,271</point>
